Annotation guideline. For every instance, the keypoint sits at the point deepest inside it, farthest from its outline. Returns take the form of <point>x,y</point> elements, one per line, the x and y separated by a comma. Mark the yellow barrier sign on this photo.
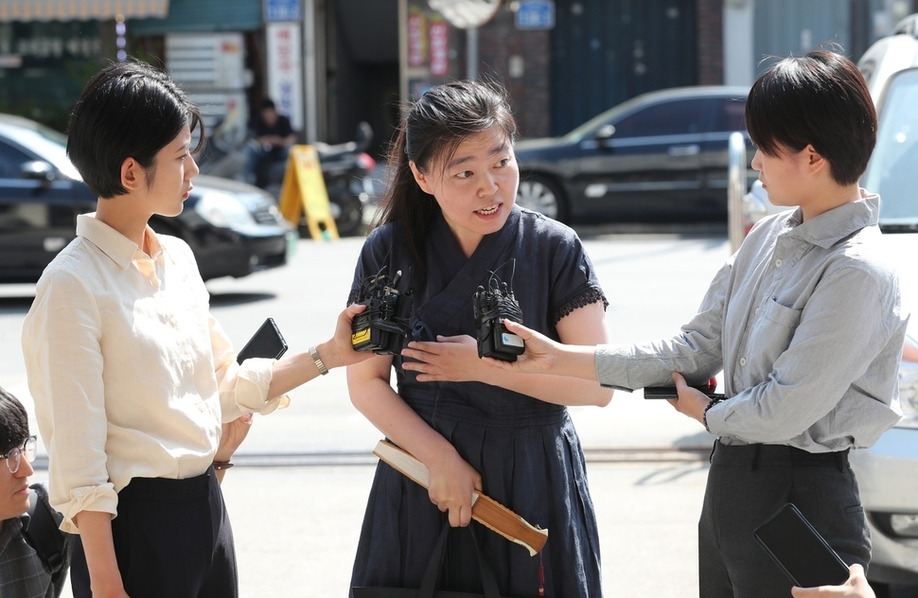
<point>304,192</point>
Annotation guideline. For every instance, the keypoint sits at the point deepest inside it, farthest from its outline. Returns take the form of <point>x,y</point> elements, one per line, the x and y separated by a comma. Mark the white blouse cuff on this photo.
<point>253,381</point>
<point>88,498</point>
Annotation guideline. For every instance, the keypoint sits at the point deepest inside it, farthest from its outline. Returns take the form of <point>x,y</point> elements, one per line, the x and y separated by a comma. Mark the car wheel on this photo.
<point>540,193</point>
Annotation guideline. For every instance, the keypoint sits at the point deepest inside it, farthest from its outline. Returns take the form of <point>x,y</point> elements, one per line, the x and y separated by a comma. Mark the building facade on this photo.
<point>335,63</point>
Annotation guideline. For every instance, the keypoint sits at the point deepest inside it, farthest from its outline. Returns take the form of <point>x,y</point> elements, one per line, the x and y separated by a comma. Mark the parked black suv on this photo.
<point>233,228</point>
<point>661,156</point>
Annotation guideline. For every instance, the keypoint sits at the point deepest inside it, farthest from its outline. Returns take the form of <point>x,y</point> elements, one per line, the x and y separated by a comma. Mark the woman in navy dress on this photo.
<point>449,221</point>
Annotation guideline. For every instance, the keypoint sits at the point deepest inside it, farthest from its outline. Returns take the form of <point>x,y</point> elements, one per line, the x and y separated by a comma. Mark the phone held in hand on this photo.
<point>669,392</point>
<point>267,342</point>
<point>800,551</point>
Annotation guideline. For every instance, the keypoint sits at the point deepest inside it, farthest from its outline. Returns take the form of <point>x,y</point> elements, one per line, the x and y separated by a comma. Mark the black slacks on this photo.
<point>172,538</point>
<point>748,484</point>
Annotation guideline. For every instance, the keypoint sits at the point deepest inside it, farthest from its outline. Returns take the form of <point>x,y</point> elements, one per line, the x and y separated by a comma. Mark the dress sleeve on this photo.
<point>574,282</point>
<point>61,345</point>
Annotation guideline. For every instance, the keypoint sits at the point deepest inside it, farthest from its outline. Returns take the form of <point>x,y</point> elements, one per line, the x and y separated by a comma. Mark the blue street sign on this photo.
<point>282,10</point>
<point>535,14</point>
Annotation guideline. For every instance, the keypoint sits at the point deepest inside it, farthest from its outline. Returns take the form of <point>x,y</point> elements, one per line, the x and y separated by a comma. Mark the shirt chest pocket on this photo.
<point>772,331</point>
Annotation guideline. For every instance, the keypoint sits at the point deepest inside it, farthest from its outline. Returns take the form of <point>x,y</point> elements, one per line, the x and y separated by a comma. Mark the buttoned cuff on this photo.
<point>252,384</point>
<point>716,419</point>
<point>87,498</point>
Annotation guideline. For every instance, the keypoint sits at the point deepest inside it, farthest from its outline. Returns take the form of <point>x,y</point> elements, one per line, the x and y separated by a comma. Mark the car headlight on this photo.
<point>223,210</point>
<point>905,525</point>
<point>908,384</point>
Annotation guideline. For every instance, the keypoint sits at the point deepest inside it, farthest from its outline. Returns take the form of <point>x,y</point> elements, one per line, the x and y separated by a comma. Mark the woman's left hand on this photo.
<point>233,434</point>
<point>450,359</point>
<point>691,401</point>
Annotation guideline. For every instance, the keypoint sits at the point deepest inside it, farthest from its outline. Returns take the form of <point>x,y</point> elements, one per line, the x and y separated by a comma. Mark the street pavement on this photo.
<point>298,493</point>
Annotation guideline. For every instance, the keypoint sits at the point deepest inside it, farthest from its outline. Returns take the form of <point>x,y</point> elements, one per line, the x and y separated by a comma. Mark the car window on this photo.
<point>11,161</point>
<point>46,143</point>
<point>729,115</point>
<point>677,117</point>
<point>891,171</point>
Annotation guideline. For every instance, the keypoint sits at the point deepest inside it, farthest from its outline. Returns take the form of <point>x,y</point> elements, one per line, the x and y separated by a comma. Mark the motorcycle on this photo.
<point>345,169</point>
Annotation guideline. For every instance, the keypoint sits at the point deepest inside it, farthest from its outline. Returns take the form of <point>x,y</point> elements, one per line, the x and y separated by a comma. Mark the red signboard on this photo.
<point>416,39</point>
<point>439,48</point>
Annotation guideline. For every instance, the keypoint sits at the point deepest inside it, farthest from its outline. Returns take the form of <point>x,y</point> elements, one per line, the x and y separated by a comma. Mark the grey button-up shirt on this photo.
<point>806,324</point>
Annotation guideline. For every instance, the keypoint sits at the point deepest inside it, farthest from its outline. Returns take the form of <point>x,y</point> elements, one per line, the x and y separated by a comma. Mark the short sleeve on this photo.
<point>574,281</point>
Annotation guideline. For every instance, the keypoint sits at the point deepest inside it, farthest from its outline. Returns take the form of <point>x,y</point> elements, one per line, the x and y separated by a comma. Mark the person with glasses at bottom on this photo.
<point>23,574</point>
<point>34,553</point>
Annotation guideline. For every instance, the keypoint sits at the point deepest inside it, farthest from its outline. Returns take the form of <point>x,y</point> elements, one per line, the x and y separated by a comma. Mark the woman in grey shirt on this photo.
<point>805,322</point>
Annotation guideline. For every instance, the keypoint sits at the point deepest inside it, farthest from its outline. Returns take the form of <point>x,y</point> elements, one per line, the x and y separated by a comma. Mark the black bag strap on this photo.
<point>43,534</point>
<point>429,582</point>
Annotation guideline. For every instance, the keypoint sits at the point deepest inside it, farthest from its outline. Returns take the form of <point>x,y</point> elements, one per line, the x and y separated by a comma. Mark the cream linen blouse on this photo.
<point>131,375</point>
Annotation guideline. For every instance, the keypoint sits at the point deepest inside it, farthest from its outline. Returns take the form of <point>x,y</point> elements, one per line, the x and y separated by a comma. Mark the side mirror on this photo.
<point>38,170</point>
<point>605,132</point>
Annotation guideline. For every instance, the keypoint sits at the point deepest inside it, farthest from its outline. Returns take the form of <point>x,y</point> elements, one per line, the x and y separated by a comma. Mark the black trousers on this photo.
<point>172,538</point>
<point>748,484</point>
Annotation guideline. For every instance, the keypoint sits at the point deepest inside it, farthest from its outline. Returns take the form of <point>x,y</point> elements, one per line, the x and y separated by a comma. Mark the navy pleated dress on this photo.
<point>526,450</point>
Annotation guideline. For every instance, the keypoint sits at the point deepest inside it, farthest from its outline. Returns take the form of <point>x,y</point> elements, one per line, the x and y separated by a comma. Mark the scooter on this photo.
<point>345,169</point>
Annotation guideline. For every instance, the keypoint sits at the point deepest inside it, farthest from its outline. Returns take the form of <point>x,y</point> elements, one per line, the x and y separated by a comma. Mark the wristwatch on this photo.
<point>317,360</point>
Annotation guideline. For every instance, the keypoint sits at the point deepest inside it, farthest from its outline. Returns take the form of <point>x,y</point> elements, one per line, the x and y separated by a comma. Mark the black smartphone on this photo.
<point>266,342</point>
<point>669,392</point>
<point>798,549</point>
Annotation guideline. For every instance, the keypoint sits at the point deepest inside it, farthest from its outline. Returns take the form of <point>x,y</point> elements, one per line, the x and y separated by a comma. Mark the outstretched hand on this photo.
<point>539,357</point>
<point>338,350</point>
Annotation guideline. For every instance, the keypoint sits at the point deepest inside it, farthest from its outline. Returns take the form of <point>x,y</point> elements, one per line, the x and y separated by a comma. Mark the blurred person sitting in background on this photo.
<point>273,137</point>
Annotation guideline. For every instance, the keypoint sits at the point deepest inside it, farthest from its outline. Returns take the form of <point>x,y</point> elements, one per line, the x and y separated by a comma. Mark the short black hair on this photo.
<point>819,99</point>
<point>268,103</point>
<point>14,422</point>
<point>127,110</point>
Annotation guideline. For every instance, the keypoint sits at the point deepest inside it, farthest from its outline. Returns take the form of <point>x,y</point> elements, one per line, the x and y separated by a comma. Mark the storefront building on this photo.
<point>49,48</point>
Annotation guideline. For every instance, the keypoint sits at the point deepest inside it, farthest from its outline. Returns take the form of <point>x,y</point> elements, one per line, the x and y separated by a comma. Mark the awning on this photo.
<point>81,10</point>
<point>200,16</point>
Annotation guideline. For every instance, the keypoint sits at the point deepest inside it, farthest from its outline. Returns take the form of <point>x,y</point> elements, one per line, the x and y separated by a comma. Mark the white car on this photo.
<point>888,472</point>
